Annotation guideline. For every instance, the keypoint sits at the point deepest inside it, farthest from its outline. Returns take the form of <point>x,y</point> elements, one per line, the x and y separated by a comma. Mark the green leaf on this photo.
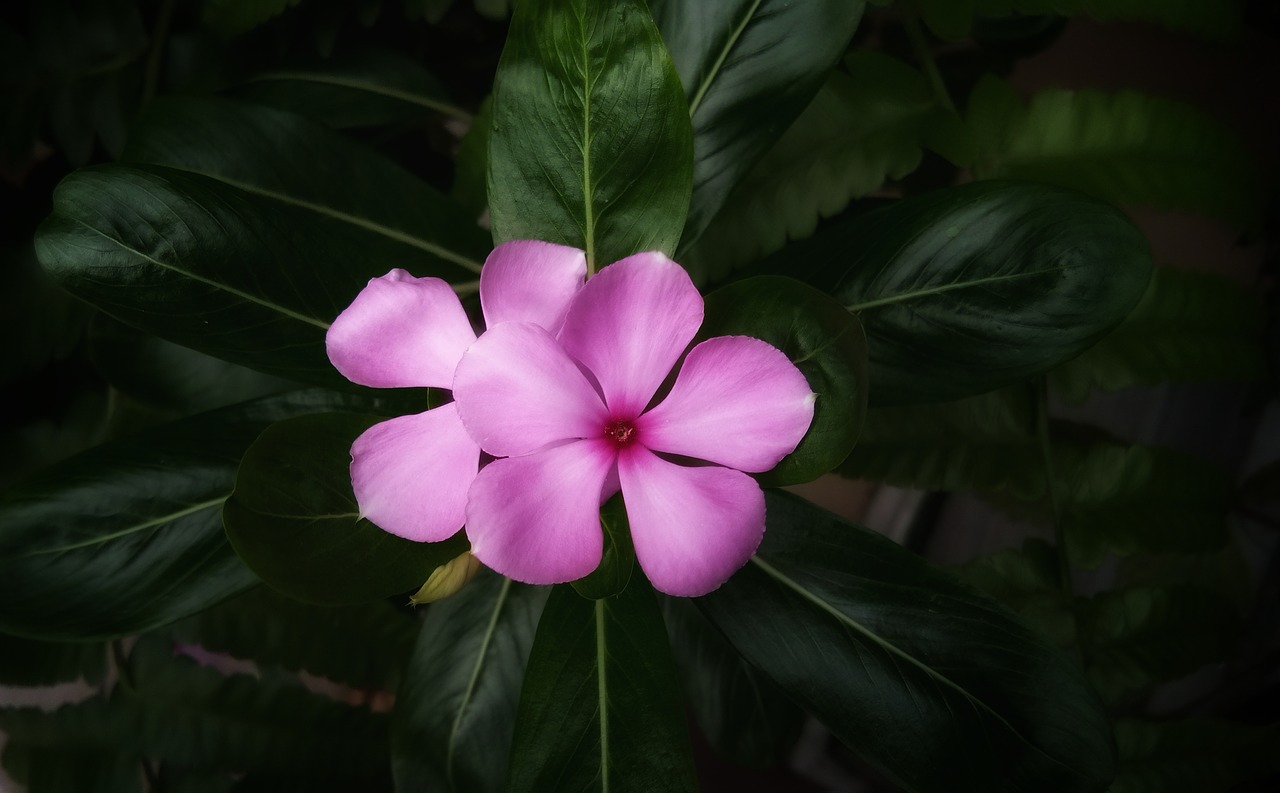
<point>370,87</point>
<point>952,19</point>
<point>862,128</point>
<point>1137,637</point>
<point>127,536</point>
<point>1189,327</point>
<point>28,662</point>
<point>969,288</point>
<point>820,338</point>
<point>294,521</point>
<point>1193,755</point>
<point>1026,580</point>
<point>364,646</point>
<point>749,67</point>
<point>1124,147</point>
<point>599,710</point>
<point>743,715</point>
<point>469,187</point>
<point>234,17</point>
<point>618,559</point>
<point>590,145</point>
<point>451,730</point>
<point>939,688</point>
<point>170,376</point>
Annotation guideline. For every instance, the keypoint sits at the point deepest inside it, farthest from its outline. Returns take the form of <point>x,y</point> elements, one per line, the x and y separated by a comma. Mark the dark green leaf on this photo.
<point>1026,580</point>
<point>749,67</point>
<point>600,709</point>
<point>293,519</point>
<point>1125,147</point>
<point>231,273</point>
<point>618,560</point>
<point>969,288</point>
<point>820,338</point>
<point>1189,327</point>
<point>469,187</point>
<point>1193,756</point>
<point>452,726</point>
<point>127,536</point>
<point>939,688</point>
<point>28,662</point>
<point>862,128</point>
<point>41,323</point>
<point>233,17</point>
<point>743,715</point>
<point>44,769</point>
<point>983,443</point>
<point>365,646</point>
<point>169,376</point>
<point>365,88</point>
<point>591,144</point>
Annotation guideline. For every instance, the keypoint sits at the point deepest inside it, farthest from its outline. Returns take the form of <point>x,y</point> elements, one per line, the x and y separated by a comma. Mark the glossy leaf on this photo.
<point>127,536</point>
<point>749,67</point>
<point>600,708</point>
<point>820,338</point>
<point>294,521</point>
<point>863,127</point>
<point>358,89</point>
<point>742,713</point>
<point>1189,327</point>
<point>937,687</point>
<point>969,288</point>
<point>590,144</point>
<point>451,730</point>
<point>1193,755</point>
<point>619,558</point>
<point>364,646</point>
<point>952,19</point>
<point>1125,147</point>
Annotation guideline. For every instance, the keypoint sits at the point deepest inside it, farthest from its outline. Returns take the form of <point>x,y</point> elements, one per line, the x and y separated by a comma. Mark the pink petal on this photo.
<point>531,281</point>
<point>411,474</point>
<point>517,391</point>
<point>629,326</point>
<point>737,401</point>
<point>692,527</point>
<point>537,518</point>
<point>400,331</point>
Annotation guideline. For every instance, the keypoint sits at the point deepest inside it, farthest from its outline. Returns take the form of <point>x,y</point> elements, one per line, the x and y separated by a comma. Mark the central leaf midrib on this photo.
<point>714,71</point>
<point>421,100</point>
<point>134,529</point>
<point>364,223</point>
<point>903,297</point>
<point>481,656</point>
<point>588,191</point>
<point>602,691</point>
<point>893,649</point>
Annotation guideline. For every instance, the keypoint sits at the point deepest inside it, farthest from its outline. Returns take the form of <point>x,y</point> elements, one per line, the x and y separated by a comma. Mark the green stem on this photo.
<point>920,45</point>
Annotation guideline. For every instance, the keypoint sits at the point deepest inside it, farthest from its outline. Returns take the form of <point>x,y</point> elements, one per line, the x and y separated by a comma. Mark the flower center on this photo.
<point>620,431</point>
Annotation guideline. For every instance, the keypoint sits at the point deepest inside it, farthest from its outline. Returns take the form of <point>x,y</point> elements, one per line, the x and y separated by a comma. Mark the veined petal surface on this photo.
<point>531,281</point>
<point>629,326</point>
<point>411,474</point>
<point>400,332</point>
<point>517,390</point>
<point>536,518</point>
<point>738,401</point>
<point>692,527</point>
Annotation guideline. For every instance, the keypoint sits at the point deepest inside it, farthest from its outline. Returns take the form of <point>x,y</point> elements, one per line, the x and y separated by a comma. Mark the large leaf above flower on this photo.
<point>591,144</point>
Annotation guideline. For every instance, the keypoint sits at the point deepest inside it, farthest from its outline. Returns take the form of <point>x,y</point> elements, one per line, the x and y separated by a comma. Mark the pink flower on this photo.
<point>411,474</point>
<point>567,411</point>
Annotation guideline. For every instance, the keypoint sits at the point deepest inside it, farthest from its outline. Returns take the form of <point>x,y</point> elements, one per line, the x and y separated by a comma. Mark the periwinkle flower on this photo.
<point>562,389</point>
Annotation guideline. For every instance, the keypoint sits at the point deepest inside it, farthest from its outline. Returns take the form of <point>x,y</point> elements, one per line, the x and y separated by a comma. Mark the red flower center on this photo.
<point>620,431</point>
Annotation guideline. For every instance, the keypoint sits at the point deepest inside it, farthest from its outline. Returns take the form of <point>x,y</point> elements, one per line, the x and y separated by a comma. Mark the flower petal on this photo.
<point>692,527</point>
<point>537,518</point>
<point>531,281</point>
<point>517,391</point>
<point>629,325</point>
<point>411,474</point>
<point>737,401</point>
<point>399,332</point>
